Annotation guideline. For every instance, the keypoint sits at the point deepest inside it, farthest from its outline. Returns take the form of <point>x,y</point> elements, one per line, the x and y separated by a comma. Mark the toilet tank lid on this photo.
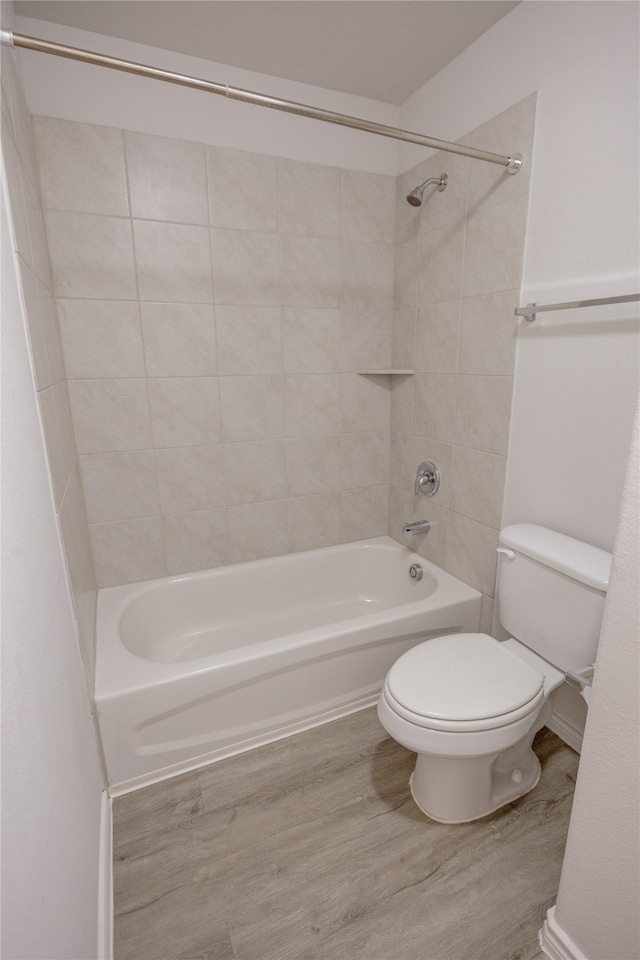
<point>578,560</point>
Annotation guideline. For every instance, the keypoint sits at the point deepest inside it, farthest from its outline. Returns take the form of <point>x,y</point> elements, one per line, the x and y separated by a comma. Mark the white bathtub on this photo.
<point>197,667</point>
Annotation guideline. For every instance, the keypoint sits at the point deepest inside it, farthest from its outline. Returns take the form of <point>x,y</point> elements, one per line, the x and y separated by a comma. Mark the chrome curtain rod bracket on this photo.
<point>532,309</point>
<point>515,163</point>
<point>527,312</point>
<point>7,37</point>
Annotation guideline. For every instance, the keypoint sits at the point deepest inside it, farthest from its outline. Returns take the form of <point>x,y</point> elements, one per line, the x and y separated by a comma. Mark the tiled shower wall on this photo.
<point>214,307</point>
<point>457,278</point>
<point>29,236</point>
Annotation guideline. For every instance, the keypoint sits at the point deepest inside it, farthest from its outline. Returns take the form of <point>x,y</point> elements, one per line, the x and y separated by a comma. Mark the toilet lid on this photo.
<point>463,676</point>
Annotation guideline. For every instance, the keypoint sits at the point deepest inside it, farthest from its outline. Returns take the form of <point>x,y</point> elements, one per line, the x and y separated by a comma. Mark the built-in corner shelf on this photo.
<point>388,371</point>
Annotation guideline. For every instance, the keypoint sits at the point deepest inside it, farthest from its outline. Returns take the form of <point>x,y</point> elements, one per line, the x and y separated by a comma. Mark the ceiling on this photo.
<point>382,49</point>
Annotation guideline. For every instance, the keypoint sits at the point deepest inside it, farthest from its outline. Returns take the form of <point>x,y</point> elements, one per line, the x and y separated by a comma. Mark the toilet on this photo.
<point>470,705</point>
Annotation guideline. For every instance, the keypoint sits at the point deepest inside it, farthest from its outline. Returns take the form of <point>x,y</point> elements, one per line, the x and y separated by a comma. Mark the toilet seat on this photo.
<point>463,683</point>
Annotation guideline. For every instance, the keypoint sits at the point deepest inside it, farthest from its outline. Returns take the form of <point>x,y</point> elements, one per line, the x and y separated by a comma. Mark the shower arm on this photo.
<point>9,38</point>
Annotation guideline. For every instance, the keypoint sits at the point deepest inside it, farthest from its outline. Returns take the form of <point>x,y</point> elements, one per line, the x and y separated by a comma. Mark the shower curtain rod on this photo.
<point>529,312</point>
<point>9,38</point>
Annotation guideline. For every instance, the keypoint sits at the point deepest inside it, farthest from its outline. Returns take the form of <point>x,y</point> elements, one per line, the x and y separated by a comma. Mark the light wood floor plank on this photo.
<point>312,849</point>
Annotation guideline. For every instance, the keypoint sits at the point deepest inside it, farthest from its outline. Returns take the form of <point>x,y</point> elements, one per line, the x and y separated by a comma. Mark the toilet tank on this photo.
<point>552,590</point>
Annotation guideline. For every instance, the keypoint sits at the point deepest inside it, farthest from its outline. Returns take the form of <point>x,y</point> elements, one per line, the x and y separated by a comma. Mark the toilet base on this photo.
<point>477,816</point>
<point>460,790</point>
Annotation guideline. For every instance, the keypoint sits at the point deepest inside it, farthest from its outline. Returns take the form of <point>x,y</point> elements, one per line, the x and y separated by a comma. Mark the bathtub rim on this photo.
<point>119,671</point>
<point>287,578</point>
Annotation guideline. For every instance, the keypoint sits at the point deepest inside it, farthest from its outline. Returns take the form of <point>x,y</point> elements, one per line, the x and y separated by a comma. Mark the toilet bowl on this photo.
<point>469,706</point>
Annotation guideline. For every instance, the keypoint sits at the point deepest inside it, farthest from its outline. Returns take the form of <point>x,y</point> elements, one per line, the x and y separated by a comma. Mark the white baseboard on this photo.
<point>105,881</point>
<point>556,942</point>
<point>566,729</point>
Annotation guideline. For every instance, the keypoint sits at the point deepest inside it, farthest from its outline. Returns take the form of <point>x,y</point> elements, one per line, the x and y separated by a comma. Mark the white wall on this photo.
<point>72,91</point>
<point>575,385</point>
<point>575,390</point>
<point>599,892</point>
<point>576,374</point>
<point>51,783</point>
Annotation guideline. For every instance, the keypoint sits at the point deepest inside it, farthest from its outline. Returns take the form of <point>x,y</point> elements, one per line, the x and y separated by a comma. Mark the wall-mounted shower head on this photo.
<point>415,197</point>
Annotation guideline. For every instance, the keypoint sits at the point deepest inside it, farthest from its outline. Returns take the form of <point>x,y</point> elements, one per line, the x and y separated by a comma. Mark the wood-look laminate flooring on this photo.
<point>311,848</point>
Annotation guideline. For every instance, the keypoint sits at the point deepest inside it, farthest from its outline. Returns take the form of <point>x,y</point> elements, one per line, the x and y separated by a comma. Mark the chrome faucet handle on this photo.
<point>427,479</point>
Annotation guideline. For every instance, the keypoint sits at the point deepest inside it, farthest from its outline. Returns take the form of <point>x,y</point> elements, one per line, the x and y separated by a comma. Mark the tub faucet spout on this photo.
<point>419,526</point>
